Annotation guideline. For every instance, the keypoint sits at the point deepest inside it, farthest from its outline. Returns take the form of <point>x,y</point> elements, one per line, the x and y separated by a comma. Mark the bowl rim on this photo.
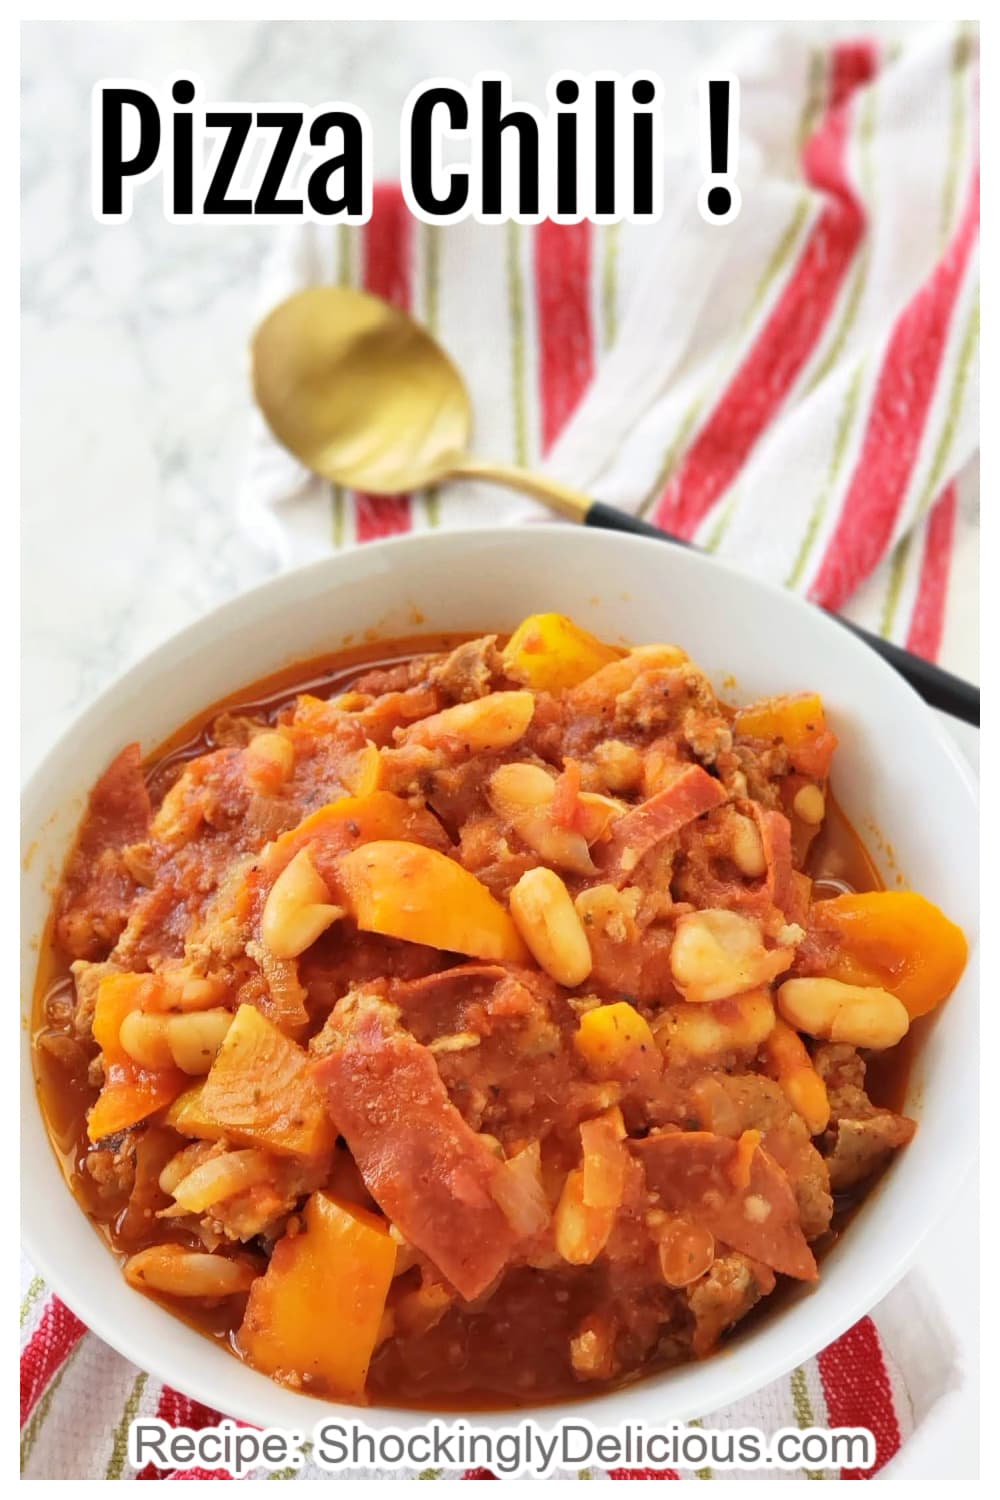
<point>792,1341</point>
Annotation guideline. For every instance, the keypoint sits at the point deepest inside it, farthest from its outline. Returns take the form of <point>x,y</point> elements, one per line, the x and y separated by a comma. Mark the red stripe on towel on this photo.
<point>897,421</point>
<point>386,250</point>
<point>796,323</point>
<point>200,1474</point>
<point>857,1392</point>
<point>178,1410</point>
<point>927,619</point>
<point>53,1341</point>
<point>565,331</point>
<point>644,1474</point>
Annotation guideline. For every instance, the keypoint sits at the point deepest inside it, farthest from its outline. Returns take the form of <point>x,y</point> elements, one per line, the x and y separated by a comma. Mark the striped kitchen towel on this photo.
<point>796,391</point>
<point>78,1397</point>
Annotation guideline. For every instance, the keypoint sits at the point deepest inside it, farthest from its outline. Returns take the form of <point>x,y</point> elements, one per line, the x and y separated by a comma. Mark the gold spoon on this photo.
<point>363,395</point>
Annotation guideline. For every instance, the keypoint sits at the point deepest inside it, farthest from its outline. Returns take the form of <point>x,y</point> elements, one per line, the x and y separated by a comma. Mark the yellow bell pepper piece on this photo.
<point>315,1314</point>
<point>363,776</point>
<point>187,1115</point>
<point>408,891</point>
<point>259,1092</point>
<point>793,719</point>
<point>615,1039</point>
<point>550,652</point>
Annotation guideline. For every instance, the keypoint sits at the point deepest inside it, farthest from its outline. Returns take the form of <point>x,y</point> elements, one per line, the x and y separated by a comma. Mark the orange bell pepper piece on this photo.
<point>895,939</point>
<point>317,1311</point>
<point>405,890</point>
<point>130,1093</point>
<point>799,722</point>
<point>342,825</point>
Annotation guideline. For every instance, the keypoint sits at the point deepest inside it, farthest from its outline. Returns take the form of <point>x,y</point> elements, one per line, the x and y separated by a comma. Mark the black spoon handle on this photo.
<point>938,688</point>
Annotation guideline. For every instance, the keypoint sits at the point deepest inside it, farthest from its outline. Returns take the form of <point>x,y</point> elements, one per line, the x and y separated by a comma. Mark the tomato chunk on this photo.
<point>97,886</point>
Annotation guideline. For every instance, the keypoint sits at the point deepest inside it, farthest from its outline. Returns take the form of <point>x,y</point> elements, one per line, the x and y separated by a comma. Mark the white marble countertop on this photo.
<point>135,397</point>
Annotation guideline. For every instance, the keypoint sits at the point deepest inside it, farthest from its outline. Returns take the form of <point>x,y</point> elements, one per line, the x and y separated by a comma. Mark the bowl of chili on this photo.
<point>514,933</point>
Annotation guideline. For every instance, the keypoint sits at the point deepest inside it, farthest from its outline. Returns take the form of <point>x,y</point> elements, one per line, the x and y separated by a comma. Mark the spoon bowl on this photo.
<point>359,392</point>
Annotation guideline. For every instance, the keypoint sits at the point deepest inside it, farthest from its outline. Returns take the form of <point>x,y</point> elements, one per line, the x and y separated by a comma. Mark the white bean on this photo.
<point>189,1041</point>
<point>195,1039</point>
<point>298,909</point>
<point>179,1272</point>
<point>546,918</point>
<point>809,805</point>
<point>719,953</point>
<point>270,759</point>
<point>858,1015</point>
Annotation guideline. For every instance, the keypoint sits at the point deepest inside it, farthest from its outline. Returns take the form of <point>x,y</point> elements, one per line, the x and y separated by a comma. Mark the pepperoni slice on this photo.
<point>704,1176</point>
<point>426,1169</point>
<point>660,817</point>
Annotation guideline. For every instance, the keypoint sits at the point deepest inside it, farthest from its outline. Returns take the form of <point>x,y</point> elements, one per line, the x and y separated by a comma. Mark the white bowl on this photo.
<point>895,772</point>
